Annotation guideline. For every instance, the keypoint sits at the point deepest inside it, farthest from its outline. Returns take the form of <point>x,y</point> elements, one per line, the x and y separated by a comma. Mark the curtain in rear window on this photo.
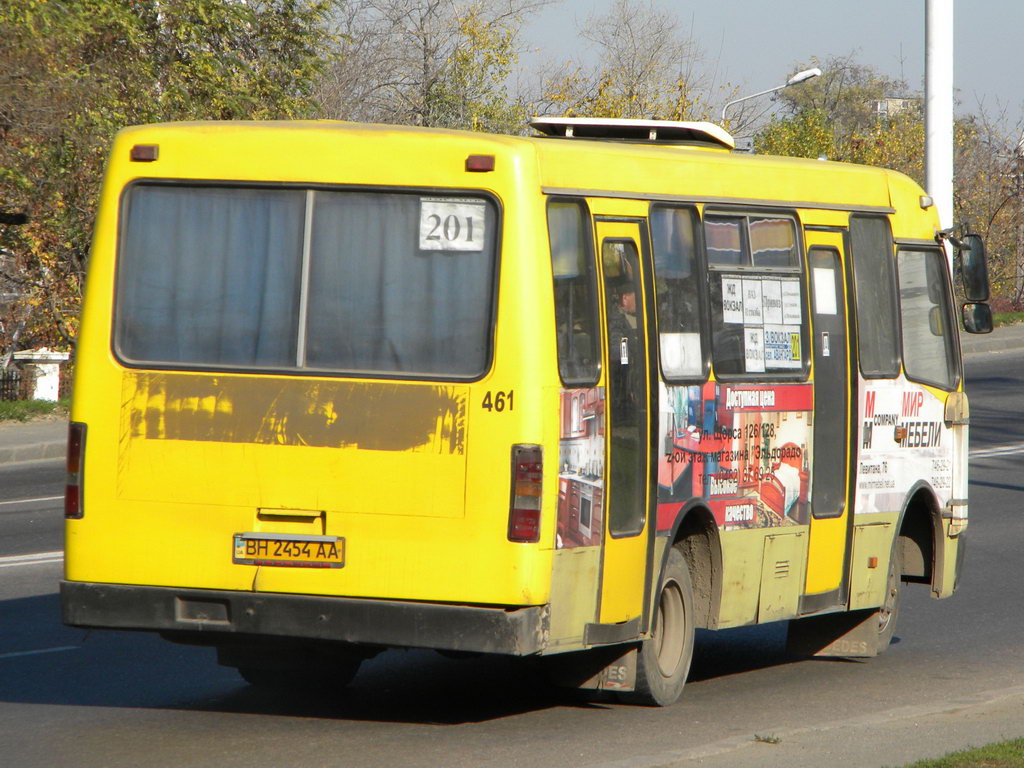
<point>395,283</point>
<point>210,275</point>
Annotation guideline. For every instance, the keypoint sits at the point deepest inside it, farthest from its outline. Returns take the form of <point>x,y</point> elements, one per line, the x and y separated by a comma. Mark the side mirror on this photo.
<point>974,268</point>
<point>977,318</point>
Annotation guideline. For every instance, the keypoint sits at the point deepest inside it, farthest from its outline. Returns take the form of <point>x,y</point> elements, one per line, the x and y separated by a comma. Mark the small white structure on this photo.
<point>45,364</point>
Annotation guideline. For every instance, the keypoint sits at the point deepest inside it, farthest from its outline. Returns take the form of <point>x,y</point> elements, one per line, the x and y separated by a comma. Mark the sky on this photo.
<point>756,44</point>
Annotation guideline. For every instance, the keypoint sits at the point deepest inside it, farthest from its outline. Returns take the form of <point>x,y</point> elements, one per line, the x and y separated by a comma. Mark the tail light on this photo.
<point>527,485</point>
<point>76,458</point>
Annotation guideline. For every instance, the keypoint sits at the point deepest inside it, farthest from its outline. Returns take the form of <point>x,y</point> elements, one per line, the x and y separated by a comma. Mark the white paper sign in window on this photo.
<point>825,291</point>
<point>752,310</point>
<point>681,354</point>
<point>782,347</point>
<point>732,300</point>
<point>753,349</point>
<point>452,224</point>
<point>791,302</point>
<point>771,293</point>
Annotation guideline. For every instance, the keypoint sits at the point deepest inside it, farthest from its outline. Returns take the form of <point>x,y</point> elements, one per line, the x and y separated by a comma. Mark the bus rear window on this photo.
<point>359,282</point>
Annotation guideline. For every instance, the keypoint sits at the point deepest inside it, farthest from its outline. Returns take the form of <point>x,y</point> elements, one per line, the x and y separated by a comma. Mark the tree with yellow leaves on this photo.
<point>73,73</point>
<point>854,114</point>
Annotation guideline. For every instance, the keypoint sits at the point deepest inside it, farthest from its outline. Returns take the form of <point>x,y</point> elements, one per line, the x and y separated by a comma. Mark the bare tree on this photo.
<point>646,66</point>
<point>989,198</point>
<point>427,62</point>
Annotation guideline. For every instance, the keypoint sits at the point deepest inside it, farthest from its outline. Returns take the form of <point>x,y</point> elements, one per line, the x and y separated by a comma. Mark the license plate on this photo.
<point>289,550</point>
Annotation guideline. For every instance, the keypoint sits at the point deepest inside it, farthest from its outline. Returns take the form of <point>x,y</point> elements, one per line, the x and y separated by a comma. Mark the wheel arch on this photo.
<point>696,533</point>
<point>919,535</point>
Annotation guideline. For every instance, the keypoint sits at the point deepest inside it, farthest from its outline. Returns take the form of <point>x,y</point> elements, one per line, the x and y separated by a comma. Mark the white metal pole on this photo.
<point>938,116</point>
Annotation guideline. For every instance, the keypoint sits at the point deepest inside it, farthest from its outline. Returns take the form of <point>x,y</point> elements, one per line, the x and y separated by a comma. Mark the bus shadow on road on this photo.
<point>44,662</point>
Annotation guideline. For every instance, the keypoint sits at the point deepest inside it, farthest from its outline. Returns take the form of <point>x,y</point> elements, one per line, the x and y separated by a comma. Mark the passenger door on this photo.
<point>831,516</point>
<point>628,474</point>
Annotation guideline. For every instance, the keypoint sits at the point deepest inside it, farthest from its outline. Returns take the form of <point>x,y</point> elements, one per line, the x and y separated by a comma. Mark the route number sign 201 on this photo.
<point>452,225</point>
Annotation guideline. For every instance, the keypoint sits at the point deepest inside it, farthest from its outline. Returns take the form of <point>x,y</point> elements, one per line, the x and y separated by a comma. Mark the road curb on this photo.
<point>1007,338</point>
<point>15,454</point>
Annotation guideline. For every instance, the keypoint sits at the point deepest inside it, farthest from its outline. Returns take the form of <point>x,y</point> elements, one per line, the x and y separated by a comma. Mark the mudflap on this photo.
<point>852,634</point>
<point>609,668</point>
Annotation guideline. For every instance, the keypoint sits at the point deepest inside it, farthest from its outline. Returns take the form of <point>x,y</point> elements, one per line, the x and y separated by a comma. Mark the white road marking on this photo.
<point>1002,450</point>
<point>16,654</point>
<point>30,501</point>
<point>39,558</point>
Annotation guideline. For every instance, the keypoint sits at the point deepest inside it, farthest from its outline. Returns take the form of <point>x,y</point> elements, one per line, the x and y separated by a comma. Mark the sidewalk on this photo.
<point>887,737</point>
<point>1005,339</point>
<point>32,441</point>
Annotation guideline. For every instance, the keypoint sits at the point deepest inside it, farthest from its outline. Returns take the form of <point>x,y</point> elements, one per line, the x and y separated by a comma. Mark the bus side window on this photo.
<point>874,280</point>
<point>680,299</point>
<point>773,242</point>
<point>725,240</point>
<point>929,346</point>
<point>757,316</point>
<point>572,266</point>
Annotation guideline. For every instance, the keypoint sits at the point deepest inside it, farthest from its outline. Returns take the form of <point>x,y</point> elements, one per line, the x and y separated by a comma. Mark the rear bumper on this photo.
<point>518,631</point>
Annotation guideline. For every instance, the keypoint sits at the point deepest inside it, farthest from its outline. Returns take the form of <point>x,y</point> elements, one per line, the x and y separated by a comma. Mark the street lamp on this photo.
<point>799,77</point>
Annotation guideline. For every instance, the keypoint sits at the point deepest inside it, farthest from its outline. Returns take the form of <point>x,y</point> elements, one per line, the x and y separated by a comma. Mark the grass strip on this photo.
<point>1003,754</point>
<point>27,410</point>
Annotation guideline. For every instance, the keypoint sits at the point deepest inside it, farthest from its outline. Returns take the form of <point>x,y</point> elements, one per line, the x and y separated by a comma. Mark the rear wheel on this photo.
<point>324,678</point>
<point>663,660</point>
<point>308,667</point>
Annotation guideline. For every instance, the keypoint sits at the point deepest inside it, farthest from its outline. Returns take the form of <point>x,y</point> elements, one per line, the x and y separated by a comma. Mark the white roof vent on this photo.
<point>659,131</point>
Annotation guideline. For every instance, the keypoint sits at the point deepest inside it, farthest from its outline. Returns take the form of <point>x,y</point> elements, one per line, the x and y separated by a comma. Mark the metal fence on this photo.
<point>19,384</point>
<point>16,384</point>
<point>66,375</point>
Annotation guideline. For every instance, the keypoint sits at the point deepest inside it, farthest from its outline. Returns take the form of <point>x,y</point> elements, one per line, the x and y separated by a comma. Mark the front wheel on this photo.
<point>891,606</point>
<point>663,660</point>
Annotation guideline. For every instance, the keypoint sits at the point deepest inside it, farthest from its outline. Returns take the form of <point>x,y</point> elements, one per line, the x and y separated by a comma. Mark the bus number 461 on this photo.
<point>497,401</point>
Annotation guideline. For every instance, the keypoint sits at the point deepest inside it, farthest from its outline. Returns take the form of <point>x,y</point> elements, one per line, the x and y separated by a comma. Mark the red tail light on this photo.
<point>527,485</point>
<point>76,458</point>
<point>480,163</point>
<point>145,153</point>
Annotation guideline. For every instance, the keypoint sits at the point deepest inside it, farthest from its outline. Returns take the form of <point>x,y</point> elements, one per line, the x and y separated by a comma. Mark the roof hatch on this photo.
<point>654,131</point>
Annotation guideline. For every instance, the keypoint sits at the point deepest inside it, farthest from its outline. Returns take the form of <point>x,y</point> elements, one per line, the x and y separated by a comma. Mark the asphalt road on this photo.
<point>954,677</point>
<point>31,507</point>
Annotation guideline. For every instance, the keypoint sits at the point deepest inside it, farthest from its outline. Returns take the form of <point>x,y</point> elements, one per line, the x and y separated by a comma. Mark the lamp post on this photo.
<point>799,77</point>
<point>1018,193</point>
<point>938,110</point>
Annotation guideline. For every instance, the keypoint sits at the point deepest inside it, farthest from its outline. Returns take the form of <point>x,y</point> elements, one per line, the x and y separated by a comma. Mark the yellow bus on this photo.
<point>341,388</point>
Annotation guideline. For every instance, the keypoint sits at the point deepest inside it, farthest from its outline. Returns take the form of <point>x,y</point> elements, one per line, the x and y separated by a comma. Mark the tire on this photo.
<point>890,609</point>
<point>663,660</point>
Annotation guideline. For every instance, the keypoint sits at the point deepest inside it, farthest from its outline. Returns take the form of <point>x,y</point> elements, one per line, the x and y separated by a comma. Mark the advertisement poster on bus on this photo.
<point>902,437</point>
<point>581,468</point>
<point>742,448</point>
